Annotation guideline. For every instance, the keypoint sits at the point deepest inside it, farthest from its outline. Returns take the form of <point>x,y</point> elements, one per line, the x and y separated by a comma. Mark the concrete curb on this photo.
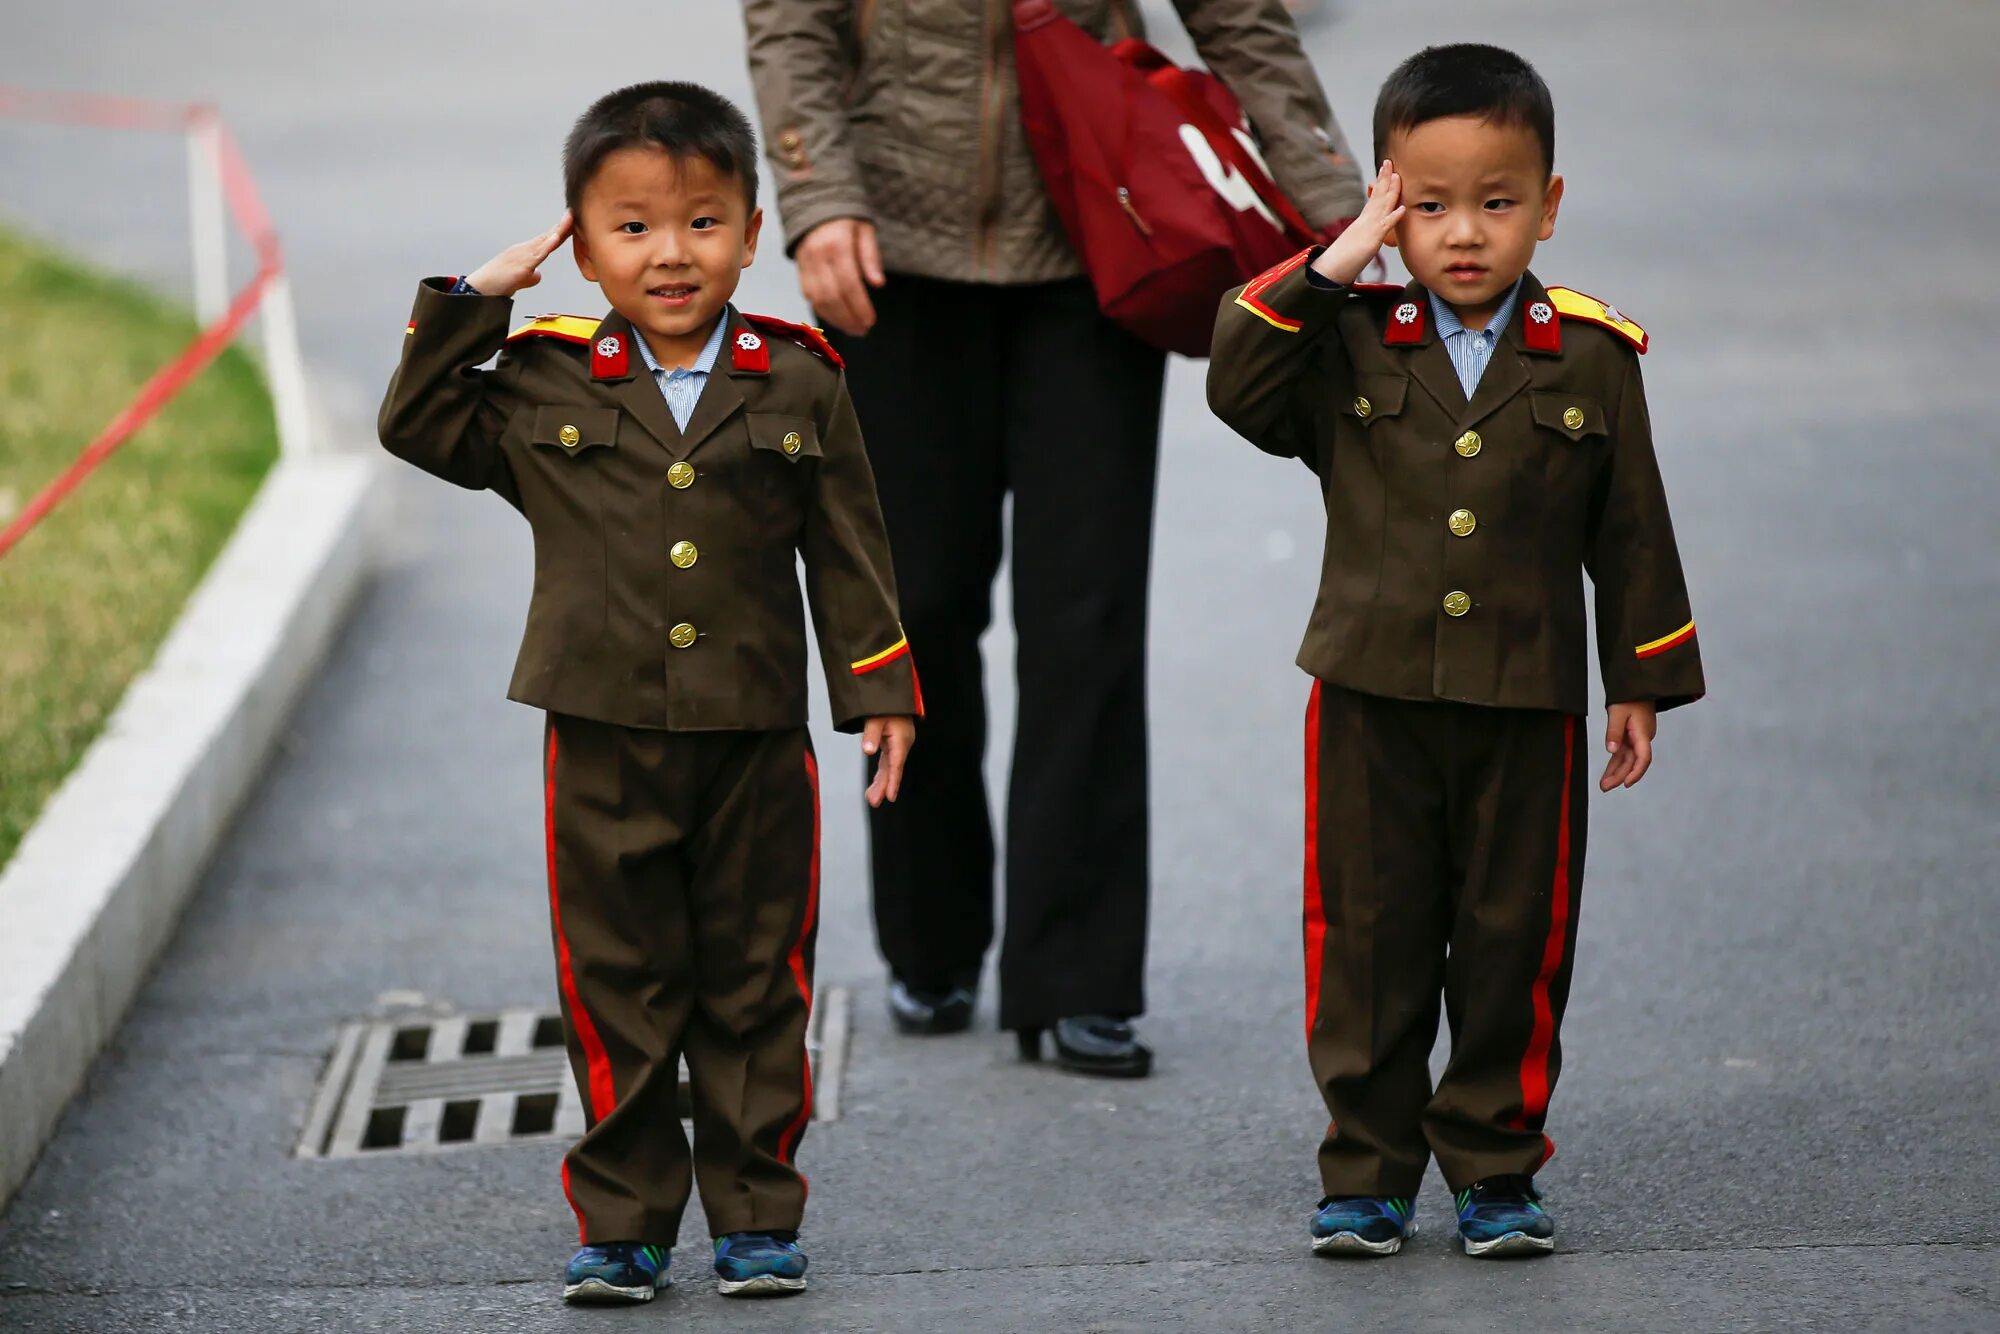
<point>95,889</point>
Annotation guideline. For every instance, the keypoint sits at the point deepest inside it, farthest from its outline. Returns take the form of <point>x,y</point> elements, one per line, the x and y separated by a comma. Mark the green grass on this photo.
<point>87,596</point>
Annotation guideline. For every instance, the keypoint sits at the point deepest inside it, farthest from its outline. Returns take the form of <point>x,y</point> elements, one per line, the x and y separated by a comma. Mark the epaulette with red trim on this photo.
<point>1574,305</point>
<point>569,328</point>
<point>805,335</point>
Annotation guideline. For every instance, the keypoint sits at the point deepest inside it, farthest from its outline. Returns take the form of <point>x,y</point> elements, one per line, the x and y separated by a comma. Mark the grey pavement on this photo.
<point>1783,1053</point>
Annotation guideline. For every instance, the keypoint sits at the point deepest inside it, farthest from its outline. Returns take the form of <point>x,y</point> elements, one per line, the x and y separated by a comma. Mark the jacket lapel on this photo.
<point>1507,373</point>
<point>635,390</point>
<point>1430,365</point>
<point>721,396</point>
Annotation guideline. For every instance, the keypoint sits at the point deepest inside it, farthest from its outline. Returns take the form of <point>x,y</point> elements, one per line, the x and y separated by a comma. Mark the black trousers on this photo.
<point>967,393</point>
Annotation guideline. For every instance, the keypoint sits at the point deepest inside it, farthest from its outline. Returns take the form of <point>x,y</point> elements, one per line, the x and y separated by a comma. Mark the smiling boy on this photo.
<point>675,460</point>
<point>1481,443</point>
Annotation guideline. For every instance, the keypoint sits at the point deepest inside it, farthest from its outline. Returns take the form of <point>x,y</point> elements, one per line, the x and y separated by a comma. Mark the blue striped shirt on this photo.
<point>1471,349</point>
<point>682,386</point>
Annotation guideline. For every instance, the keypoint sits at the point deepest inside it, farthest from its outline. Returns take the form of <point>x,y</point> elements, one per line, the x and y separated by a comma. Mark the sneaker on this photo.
<point>1499,1217</point>
<point>759,1264</point>
<point>616,1271</point>
<point>1363,1224</point>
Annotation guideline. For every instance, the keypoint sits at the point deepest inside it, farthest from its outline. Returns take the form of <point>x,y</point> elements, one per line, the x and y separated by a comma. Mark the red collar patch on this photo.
<point>1406,323</point>
<point>749,352</point>
<point>611,358</point>
<point>1541,331</point>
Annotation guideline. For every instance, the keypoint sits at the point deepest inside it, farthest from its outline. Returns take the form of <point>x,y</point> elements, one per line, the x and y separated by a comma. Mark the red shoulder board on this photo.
<point>1573,305</point>
<point>569,328</point>
<point>807,337</point>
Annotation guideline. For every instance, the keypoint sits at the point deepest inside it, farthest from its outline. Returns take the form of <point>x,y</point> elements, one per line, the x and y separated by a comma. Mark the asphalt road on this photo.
<point>1783,1054</point>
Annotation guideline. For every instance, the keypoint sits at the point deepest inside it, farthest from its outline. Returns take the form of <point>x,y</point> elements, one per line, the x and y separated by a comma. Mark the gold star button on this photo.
<point>681,476</point>
<point>681,636</point>
<point>569,435</point>
<point>1457,604</point>
<point>791,443</point>
<point>1461,523</point>
<point>683,554</point>
<point>1572,417</point>
<point>1468,444</point>
<point>1362,407</point>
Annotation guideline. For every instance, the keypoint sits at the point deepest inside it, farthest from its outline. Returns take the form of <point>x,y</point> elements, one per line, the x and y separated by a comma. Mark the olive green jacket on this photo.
<point>1458,533</point>
<point>906,113</point>
<point>666,587</point>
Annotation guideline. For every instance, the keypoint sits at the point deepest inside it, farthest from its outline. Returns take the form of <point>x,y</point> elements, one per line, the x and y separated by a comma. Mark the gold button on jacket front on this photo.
<point>683,554</point>
<point>1457,604</point>
<point>1462,523</point>
<point>681,476</point>
<point>1468,444</point>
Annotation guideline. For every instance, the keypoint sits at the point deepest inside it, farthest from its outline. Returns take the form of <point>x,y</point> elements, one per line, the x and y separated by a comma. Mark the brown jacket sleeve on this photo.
<point>850,583</point>
<point>1253,46</point>
<point>802,55</point>
<point>1270,342</point>
<point>442,412</point>
<point>1645,627</point>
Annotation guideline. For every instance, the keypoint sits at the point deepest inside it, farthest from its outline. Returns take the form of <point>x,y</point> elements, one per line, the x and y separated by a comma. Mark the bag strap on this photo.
<point>1173,81</point>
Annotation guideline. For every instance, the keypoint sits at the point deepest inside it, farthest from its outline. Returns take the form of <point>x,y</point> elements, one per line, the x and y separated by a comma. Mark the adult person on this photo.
<point>981,368</point>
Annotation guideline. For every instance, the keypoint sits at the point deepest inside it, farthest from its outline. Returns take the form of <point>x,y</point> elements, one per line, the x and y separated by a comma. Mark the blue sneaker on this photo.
<point>616,1271</point>
<point>759,1264</point>
<point>1363,1224</point>
<point>1499,1217</point>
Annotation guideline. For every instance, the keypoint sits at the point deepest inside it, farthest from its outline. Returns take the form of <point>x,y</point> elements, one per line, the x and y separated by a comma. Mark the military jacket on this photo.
<point>1458,532</point>
<point>666,589</point>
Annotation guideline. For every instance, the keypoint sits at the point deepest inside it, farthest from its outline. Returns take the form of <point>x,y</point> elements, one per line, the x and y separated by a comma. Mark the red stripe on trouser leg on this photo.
<point>1535,1061</point>
<point>1315,909</point>
<point>789,1140</point>
<point>602,1096</point>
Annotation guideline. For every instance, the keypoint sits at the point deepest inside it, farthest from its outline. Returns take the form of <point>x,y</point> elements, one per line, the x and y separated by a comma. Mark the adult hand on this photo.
<point>519,265</point>
<point>1355,248</point>
<point>838,262</point>
<point>889,739</point>
<point>1628,735</point>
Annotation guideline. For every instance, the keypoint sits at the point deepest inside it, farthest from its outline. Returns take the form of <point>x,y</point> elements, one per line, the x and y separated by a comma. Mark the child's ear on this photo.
<point>1551,201</point>
<point>1389,238</point>
<point>751,230</point>
<point>580,248</point>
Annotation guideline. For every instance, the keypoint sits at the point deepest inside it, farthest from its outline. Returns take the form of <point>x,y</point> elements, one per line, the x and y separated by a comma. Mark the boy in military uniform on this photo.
<point>674,459</point>
<point>1481,442</point>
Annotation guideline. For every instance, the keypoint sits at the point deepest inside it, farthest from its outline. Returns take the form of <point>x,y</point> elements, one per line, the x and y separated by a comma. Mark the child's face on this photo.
<point>667,240</point>
<point>1476,199</point>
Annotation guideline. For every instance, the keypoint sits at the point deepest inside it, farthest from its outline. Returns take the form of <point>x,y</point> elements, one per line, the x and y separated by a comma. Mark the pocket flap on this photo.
<point>793,438</point>
<point>1575,417</point>
<point>1375,396</point>
<point>573,430</point>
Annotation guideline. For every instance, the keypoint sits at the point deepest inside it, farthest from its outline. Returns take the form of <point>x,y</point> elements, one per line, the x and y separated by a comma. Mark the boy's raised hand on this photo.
<point>1629,737</point>
<point>1350,252</point>
<point>888,738</point>
<point>519,265</point>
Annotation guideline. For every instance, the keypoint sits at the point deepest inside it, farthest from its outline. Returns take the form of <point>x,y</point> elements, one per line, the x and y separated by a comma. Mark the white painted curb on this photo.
<point>95,889</point>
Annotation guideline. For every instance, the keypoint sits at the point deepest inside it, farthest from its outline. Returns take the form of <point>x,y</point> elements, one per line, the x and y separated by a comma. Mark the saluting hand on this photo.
<point>1629,737</point>
<point>1352,251</point>
<point>519,265</point>
<point>889,739</point>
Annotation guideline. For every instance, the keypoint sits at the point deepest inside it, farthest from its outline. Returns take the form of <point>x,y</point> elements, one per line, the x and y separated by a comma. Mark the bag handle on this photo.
<point>1173,81</point>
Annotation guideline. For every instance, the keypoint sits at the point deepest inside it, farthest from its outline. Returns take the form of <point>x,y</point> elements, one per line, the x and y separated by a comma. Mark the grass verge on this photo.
<point>87,596</point>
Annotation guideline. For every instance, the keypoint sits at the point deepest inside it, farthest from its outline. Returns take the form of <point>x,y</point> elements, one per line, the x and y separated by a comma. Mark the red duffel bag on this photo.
<point>1154,174</point>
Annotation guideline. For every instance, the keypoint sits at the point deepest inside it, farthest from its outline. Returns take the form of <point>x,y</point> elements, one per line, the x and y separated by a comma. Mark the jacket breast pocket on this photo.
<point>784,450</point>
<point>1572,416</point>
<point>1375,398</point>
<point>574,431</point>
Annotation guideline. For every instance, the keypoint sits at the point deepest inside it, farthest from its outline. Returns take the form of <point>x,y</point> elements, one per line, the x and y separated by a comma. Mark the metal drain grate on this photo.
<point>423,1083</point>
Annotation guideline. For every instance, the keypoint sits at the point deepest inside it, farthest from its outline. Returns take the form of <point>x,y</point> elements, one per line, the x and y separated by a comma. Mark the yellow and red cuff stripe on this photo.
<point>899,649</point>
<point>1665,642</point>
<point>1250,297</point>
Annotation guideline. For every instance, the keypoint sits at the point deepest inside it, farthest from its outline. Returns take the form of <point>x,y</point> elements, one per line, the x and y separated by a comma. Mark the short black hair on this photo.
<point>686,120</point>
<point>1465,79</point>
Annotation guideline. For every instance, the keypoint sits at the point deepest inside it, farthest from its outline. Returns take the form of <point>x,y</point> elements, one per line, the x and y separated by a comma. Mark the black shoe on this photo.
<point>925,1010</point>
<point>1092,1044</point>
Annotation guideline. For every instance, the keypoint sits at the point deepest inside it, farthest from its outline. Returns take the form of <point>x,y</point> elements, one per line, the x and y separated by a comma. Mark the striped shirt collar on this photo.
<point>703,364</point>
<point>1448,323</point>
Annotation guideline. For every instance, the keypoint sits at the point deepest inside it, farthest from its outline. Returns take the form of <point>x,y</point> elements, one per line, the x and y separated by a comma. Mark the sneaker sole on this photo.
<point>1501,1248</point>
<point>1353,1244</point>
<point>764,1285</point>
<point>596,1292</point>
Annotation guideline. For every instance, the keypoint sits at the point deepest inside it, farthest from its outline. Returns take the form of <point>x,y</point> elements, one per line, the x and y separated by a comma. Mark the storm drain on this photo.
<point>424,1083</point>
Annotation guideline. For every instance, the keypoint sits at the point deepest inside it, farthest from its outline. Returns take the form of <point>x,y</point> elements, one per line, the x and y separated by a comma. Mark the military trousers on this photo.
<point>970,395</point>
<point>1443,861</point>
<point>683,873</point>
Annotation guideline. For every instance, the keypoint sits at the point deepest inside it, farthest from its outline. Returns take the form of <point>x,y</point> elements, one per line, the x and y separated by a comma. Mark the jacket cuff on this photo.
<point>466,314</point>
<point>1287,298</point>
<point>882,685</point>
<point>1666,672</point>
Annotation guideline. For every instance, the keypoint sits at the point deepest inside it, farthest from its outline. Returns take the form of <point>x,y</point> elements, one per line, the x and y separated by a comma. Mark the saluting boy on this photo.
<point>1481,442</point>
<point>674,460</point>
